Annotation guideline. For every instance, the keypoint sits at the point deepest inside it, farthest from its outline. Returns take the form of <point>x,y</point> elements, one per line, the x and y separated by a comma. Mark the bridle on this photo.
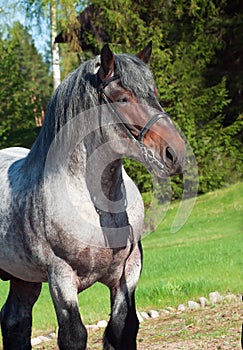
<point>147,154</point>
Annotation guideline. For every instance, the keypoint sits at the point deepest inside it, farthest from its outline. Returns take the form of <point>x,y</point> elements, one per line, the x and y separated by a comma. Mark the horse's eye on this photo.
<point>123,100</point>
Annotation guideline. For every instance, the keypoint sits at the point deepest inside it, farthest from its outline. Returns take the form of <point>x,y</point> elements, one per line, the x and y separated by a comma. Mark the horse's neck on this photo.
<point>105,182</point>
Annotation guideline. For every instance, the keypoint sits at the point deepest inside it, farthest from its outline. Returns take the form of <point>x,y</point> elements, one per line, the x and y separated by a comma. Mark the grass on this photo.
<point>204,256</point>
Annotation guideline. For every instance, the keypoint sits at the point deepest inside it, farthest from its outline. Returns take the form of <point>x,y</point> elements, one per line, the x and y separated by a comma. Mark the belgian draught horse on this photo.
<point>69,213</point>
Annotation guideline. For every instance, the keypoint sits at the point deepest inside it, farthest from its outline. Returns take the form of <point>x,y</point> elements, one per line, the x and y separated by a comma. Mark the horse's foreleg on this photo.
<point>72,334</point>
<point>123,325</point>
<point>16,315</point>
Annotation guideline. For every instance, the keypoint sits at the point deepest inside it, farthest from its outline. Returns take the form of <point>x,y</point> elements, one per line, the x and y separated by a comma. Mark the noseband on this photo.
<point>138,140</point>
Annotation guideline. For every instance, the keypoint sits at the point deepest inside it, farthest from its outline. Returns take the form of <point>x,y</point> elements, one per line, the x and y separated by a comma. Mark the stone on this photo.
<point>170,309</point>
<point>193,305</point>
<point>215,297</point>
<point>102,324</point>
<point>139,316</point>
<point>92,327</point>
<point>52,335</point>
<point>166,312</point>
<point>181,307</point>
<point>153,314</point>
<point>144,315</point>
<point>203,302</point>
<point>230,297</point>
<point>44,338</point>
<point>36,341</point>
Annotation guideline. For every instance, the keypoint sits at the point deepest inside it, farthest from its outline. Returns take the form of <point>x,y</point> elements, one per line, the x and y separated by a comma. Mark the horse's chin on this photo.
<point>163,174</point>
<point>161,170</point>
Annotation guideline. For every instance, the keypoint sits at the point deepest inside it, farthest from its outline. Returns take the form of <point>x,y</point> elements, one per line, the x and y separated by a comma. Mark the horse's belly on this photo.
<point>19,267</point>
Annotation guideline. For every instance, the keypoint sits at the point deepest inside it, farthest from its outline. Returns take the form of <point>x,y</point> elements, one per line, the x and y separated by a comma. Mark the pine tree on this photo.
<point>189,40</point>
<point>25,87</point>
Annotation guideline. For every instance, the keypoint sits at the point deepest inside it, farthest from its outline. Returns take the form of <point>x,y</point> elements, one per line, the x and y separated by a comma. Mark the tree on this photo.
<point>37,10</point>
<point>25,87</point>
<point>189,40</point>
<point>54,46</point>
<point>196,52</point>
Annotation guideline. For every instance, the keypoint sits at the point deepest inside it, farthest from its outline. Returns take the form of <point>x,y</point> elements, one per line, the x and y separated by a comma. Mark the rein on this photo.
<point>138,140</point>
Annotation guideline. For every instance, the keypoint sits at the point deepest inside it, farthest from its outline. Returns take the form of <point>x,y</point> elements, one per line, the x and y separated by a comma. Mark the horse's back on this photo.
<point>10,160</point>
<point>14,152</point>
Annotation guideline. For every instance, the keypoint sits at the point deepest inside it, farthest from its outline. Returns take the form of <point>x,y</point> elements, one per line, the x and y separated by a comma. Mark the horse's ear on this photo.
<point>107,62</point>
<point>145,54</point>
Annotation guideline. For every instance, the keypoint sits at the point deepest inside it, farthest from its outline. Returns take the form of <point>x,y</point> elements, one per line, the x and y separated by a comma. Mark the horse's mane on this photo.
<point>78,93</point>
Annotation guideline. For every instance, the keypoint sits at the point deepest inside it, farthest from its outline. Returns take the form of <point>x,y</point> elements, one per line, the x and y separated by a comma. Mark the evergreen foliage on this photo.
<point>197,62</point>
<point>191,41</point>
<point>25,88</point>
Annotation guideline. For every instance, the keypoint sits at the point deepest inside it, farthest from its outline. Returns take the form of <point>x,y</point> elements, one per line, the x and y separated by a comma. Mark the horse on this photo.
<point>70,215</point>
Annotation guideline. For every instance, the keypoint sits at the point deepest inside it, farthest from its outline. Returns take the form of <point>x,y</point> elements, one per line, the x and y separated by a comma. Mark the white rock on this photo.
<point>181,307</point>
<point>139,316</point>
<point>153,314</point>
<point>215,297</point>
<point>171,309</point>
<point>144,315</point>
<point>35,341</point>
<point>203,302</point>
<point>166,312</point>
<point>92,327</point>
<point>44,338</point>
<point>193,305</point>
<point>102,324</point>
<point>230,297</point>
<point>52,335</point>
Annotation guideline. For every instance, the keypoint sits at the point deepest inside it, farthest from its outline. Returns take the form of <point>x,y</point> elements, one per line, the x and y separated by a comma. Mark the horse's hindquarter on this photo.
<point>14,259</point>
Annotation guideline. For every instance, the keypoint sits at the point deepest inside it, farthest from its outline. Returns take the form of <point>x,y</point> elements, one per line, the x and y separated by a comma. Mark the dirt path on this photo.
<point>217,328</point>
<point>211,328</point>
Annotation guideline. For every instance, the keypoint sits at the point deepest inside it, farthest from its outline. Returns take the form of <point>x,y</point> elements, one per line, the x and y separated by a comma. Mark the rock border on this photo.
<point>213,299</point>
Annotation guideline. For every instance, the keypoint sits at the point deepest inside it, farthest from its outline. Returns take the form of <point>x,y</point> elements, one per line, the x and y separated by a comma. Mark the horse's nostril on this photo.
<point>170,155</point>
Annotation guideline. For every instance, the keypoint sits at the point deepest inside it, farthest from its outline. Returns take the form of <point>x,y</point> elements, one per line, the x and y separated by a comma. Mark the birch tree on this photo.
<point>58,13</point>
<point>54,46</point>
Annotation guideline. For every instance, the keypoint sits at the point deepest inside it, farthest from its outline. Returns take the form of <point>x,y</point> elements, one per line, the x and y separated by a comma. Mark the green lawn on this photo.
<point>204,256</point>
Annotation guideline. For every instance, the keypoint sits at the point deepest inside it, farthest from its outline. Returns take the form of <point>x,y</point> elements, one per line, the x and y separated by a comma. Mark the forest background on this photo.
<point>197,63</point>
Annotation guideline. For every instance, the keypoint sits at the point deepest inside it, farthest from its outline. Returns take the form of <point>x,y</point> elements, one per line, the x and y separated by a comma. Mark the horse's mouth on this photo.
<point>163,171</point>
<point>159,166</point>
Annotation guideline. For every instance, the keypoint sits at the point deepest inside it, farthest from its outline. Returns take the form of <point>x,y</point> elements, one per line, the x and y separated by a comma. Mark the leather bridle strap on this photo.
<point>149,124</point>
<point>127,126</point>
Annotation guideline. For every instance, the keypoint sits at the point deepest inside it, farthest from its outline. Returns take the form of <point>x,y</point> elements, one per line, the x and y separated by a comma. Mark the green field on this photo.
<point>204,256</point>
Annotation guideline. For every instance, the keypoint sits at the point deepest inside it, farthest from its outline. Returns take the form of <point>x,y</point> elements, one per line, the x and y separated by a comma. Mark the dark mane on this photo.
<point>135,75</point>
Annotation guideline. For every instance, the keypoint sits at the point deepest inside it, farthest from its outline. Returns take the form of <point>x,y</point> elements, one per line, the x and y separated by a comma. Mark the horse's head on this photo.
<point>128,89</point>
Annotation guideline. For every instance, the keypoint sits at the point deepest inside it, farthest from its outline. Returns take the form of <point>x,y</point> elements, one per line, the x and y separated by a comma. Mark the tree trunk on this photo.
<point>55,49</point>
